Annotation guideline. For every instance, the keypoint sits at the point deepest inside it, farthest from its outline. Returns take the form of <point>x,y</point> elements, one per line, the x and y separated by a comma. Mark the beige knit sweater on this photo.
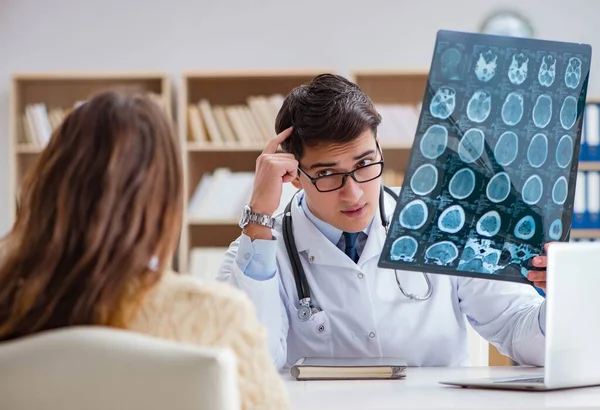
<point>181,308</point>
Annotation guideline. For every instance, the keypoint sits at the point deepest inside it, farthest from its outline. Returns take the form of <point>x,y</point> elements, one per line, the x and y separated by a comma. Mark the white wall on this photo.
<point>178,35</point>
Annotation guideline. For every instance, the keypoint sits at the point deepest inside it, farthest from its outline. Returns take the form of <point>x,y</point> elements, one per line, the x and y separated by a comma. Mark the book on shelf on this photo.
<point>590,134</point>
<point>220,195</point>
<point>234,124</point>
<point>586,205</point>
<point>39,120</point>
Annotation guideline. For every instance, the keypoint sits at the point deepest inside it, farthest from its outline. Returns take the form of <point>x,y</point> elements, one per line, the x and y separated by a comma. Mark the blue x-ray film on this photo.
<point>492,172</point>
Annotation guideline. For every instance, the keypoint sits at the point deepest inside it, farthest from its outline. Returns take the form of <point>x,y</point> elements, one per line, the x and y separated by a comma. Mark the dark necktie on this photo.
<point>351,250</point>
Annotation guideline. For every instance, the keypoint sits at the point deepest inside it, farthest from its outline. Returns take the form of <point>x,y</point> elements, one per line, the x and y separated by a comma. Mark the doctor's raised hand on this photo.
<point>273,169</point>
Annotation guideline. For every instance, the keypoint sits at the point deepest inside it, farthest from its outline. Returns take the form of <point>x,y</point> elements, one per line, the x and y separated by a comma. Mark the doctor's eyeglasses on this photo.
<point>333,182</point>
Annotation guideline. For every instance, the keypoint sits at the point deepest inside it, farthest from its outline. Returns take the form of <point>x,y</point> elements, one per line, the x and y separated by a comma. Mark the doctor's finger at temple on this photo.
<point>272,146</point>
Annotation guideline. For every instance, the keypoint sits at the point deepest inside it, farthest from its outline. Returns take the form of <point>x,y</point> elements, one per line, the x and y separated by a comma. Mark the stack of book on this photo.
<point>236,124</point>
<point>38,121</point>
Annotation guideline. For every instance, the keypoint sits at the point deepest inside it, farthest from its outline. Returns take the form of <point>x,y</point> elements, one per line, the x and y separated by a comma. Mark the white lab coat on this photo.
<point>364,314</point>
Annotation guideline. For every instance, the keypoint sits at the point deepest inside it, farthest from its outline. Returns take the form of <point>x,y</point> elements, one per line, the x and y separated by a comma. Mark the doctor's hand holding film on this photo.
<point>538,277</point>
<point>273,169</point>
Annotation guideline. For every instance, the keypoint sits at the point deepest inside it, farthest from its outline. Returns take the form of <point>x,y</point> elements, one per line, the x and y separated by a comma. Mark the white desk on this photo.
<point>421,390</point>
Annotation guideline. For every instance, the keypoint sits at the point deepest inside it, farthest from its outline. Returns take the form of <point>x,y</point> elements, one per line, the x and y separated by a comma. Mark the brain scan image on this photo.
<point>560,191</point>
<point>525,228</point>
<point>519,252</point>
<point>568,112</point>
<point>452,219</point>
<point>443,103</point>
<point>479,106</point>
<point>492,169</point>
<point>564,151</point>
<point>462,183</point>
<point>489,224</point>
<point>414,214</point>
<point>542,111</point>
<point>547,71</point>
<point>424,179</point>
<point>573,73</point>
<point>512,109</point>
<point>471,145</point>
<point>434,141</point>
<point>498,188</point>
<point>479,256</point>
<point>441,253</point>
<point>517,71</point>
<point>507,148</point>
<point>555,231</point>
<point>485,68</point>
<point>538,150</point>
<point>532,190</point>
<point>404,249</point>
<point>451,59</point>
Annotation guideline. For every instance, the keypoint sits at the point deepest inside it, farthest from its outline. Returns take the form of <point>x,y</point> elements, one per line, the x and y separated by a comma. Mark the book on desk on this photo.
<point>313,368</point>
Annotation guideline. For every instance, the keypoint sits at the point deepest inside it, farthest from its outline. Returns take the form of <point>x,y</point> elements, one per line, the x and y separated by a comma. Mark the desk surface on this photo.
<point>421,390</point>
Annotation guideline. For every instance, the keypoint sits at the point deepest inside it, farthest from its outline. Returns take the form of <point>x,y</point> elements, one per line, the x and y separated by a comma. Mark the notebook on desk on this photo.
<point>313,368</point>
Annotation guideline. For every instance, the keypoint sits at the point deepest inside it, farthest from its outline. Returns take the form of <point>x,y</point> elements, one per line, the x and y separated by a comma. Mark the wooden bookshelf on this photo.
<point>234,92</point>
<point>393,92</point>
<point>55,94</point>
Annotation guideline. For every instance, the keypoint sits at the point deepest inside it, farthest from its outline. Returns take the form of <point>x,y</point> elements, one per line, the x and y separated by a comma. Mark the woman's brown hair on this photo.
<point>100,211</point>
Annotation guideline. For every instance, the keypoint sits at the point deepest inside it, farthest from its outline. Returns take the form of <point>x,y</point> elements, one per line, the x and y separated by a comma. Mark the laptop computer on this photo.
<point>572,350</point>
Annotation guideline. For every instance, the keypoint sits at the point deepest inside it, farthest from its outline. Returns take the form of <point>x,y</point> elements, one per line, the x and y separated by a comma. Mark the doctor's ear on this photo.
<point>296,181</point>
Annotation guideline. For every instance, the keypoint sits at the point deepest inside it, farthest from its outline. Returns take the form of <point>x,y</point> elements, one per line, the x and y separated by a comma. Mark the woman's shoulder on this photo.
<point>183,289</point>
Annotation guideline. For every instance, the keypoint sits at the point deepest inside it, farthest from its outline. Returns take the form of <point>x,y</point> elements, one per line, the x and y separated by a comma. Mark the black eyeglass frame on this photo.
<point>345,175</point>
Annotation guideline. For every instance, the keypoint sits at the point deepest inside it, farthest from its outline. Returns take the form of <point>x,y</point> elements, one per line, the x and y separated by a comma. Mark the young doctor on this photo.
<point>320,292</point>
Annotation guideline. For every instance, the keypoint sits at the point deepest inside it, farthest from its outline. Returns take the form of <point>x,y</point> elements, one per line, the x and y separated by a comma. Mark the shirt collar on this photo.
<point>329,231</point>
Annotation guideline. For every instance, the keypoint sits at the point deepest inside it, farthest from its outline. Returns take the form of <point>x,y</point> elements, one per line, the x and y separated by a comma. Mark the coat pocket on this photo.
<point>311,338</point>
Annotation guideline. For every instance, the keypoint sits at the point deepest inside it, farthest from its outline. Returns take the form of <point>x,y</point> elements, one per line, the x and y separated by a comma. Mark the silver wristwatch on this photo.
<point>251,217</point>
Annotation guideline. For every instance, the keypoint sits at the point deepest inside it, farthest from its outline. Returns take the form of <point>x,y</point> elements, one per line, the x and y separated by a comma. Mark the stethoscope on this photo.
<point>306,309</point>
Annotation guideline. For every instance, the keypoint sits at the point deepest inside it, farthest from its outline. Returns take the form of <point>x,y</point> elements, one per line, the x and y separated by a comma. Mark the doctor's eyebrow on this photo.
<point>333,164</point>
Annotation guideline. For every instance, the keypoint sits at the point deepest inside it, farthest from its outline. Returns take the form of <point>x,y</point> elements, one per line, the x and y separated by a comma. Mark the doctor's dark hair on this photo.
<point>329,109</point>
<point>99,218</point>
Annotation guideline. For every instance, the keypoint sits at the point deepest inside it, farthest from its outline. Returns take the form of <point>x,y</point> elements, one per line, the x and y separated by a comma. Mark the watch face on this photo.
<point>507,23</point>
<point>245,217</point>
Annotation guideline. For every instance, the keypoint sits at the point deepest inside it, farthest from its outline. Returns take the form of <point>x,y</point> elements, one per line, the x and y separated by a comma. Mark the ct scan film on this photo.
<point>492,172</point>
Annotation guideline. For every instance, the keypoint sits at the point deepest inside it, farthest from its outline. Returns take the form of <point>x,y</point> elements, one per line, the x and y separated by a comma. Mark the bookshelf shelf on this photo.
<point>226,120</point>
<point>212,148</point>
<point>257,148</point>
<point>589,166</point>
<point>585,233</point>
<point>212,222</point>
<point>39,102</point>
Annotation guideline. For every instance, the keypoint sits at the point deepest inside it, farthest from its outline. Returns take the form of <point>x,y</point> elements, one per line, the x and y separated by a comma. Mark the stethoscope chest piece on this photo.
<point>304,313</point>
<point>305,310</point>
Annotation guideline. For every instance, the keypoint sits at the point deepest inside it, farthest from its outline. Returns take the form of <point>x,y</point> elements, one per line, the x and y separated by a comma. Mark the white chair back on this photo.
<point>100,368</point>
